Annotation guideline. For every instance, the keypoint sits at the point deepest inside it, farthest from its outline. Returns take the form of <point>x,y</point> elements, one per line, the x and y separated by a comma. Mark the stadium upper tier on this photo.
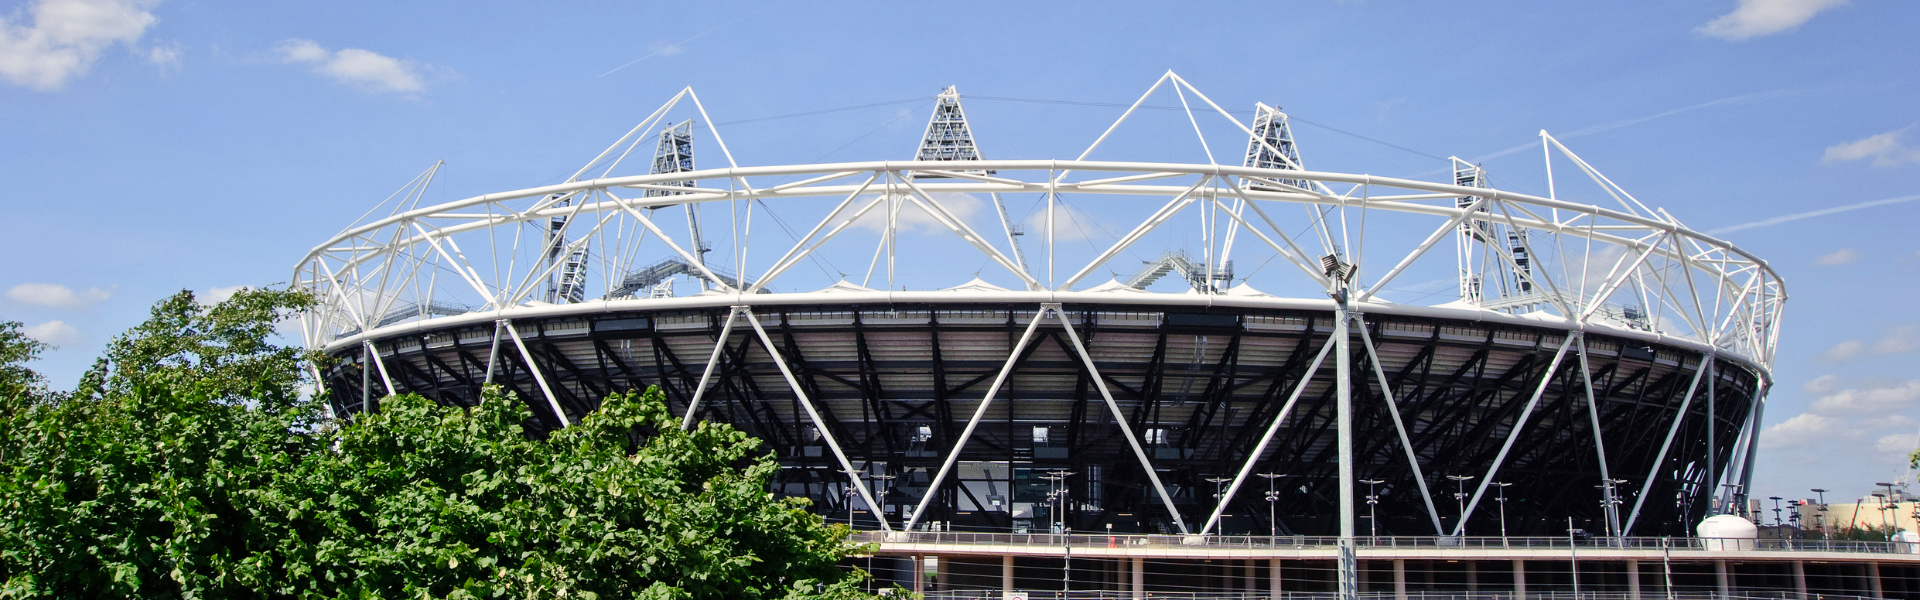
<point>1009,344</point>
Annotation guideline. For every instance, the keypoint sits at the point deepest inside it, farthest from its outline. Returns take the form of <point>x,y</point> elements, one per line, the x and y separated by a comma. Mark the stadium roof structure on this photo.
<point>1586,341</point>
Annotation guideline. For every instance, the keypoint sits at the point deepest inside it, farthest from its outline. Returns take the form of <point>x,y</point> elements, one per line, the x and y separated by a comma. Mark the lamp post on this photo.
<point>1776,512</point>
<point>1373,501</point>
<point>1460,497</point>
<point>1057,499</point>
<point>1273,526</point>
<point>1502,485</point>
<point>1219,496</point>
<point>880,496</point>
<point>1610,505</point>
<point>1821,514</point>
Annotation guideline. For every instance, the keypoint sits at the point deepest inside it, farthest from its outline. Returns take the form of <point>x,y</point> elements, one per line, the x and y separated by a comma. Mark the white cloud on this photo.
<point>1896,444</point>
<point>1837,257</point>
<point>1844,351</point>
<point>54,295</point>
<point>53,333</point>
<point>1885,149</point>
<point>364,69</point>
<point>1822,385</point>
<point>910,217</point>
<point>66,37</point>
<point>1804,429</point>
<point>1757,18</point>
<point>1899,339</point>
<point>1869,401</point>
<point>220,294</point>
<point>165,57</point>
<point>1069,224</point>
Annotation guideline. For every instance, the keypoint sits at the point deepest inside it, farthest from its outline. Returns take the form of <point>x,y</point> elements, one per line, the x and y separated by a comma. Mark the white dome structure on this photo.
<point>1727,532</point>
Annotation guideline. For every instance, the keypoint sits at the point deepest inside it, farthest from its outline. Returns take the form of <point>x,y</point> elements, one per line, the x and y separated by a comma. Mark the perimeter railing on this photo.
<point>995,594</point>
<point>1305,542</point>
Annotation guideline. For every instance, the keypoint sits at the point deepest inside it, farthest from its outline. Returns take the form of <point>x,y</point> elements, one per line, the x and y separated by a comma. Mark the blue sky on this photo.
<point>157,146</point>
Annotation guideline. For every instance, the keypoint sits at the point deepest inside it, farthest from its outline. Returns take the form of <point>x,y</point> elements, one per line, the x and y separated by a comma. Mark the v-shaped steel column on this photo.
<point>807,403</point>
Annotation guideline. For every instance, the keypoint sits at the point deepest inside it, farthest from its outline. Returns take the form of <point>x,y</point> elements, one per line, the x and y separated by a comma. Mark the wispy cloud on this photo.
<point>1885,149</point>
<point>666,49</point>
<point>53,295</point>
<point>1759,18</point>
<point>1837,257</point>
<point>364,69</point>
<point>66,37</point>
<point>1593,129</point>
<point>1899,340</point>
<point>1810,214</point>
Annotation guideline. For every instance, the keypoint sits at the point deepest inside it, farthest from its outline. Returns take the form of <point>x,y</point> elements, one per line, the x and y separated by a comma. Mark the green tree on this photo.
<point>188,464</point>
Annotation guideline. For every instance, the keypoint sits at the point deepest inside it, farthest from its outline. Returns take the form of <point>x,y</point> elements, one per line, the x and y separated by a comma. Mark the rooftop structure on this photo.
<point>1613,373</point>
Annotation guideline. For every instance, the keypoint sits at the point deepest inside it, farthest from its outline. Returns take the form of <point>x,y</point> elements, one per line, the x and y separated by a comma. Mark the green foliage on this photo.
<point>188,465</point>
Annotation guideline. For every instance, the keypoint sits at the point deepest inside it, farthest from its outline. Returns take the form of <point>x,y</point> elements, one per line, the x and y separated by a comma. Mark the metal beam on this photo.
<point>825,433</point>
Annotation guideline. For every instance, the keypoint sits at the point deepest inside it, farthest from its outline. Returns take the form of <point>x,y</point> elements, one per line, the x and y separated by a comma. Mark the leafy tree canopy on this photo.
<point>188,464</point>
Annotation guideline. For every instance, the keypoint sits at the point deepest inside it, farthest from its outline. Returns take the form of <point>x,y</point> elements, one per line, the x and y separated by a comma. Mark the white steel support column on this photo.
<point>1260,449</point>
<point>1519,423</point>
<point>1724,579</point>
<point>1873,580</point>
<point>1519,578</point>
<point>1661,458</point>
<point>1347,569</point>
<point>534,368</point>
<point>380,363</point>
<point>493,352</point>
<point>1393,410</point>
<point>980,412</point>
<point>1609,491</point>
<point>1119,416</point>
<point>879,512</point>
<point>719,345</point>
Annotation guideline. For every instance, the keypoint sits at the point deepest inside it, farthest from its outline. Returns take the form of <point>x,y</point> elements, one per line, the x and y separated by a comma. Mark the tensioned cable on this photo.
<point>824,111</point>
<point>1237,112</point>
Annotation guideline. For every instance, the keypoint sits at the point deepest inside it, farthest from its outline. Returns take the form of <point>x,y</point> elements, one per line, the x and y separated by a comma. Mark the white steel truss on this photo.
<point>1629,272</point>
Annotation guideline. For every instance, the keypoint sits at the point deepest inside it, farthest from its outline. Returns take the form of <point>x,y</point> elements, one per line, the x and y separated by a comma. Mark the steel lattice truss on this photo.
<point>1626,352</point>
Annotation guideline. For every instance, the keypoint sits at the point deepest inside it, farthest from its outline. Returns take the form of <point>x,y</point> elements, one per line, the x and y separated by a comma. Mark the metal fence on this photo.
<point>1303,542</point>
<point>1125,595</point>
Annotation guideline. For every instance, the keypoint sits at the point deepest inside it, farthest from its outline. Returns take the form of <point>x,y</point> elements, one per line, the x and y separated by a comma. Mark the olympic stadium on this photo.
<point>1231,353</point>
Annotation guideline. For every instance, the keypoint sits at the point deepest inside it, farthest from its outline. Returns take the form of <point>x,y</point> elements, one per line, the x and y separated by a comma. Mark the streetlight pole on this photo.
<point>1822,513</point>
<point>1611,505</point>
<point>1503,506</point>
<point>1273,526</point>
<point>1373,500</point>
<point>1219,497</point>
<point>1460,497</point>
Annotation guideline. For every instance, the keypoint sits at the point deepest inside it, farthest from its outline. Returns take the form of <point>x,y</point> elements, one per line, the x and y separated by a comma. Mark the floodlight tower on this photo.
<point>1278,151</point>
<point>675,155</point>
<point>1480,247</point>
<point>567,283</point>
<point>949,137</point>
<point>1272,147</point>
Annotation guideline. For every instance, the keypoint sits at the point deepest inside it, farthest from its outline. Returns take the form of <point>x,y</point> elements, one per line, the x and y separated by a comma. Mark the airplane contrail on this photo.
<point>1811,214</point>
<point>1590,130</point>
<point>696,36</point>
